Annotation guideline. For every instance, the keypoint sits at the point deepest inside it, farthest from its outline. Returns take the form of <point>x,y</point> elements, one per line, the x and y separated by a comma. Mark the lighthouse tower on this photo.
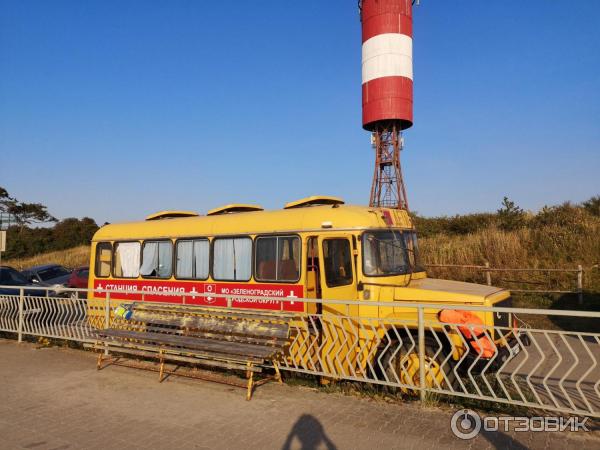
<point>387,92</point>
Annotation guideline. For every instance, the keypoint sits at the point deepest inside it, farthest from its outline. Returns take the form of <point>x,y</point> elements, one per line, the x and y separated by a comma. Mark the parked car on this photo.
<point>79,278</point>
<point>48,275</point>
<point>12,277</point>
<point>37,311</point>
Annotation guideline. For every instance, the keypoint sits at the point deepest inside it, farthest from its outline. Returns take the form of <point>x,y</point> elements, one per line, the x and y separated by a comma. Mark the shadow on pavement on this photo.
<point>500,440</point>
<point>309,431</point>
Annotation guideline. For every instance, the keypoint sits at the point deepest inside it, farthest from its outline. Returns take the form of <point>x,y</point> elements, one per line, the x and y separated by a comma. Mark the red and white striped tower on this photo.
<point>387,92</point>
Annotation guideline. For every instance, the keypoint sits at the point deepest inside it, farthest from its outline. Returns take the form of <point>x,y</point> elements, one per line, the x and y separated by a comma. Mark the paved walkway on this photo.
<point>55,399</point>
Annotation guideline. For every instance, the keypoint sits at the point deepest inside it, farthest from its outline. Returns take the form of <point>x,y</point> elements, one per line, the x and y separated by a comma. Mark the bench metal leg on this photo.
<point>250,376</point>
<point>277,373</point>
<point>101,354</point>
<point>162,366</point>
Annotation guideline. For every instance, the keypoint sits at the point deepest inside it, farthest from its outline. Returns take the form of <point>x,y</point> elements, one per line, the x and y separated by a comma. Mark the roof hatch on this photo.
<point>314,200</point>
<point>234,208</point>
<point>171,215</point>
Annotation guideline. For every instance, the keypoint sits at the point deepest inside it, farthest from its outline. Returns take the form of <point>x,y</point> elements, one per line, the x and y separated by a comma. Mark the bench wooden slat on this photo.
<point>257,340</point>
<point>214,324</point>
<point>154,347</point>
<point>277,316</point>
<point>122,347</point>
<point>233,348</point>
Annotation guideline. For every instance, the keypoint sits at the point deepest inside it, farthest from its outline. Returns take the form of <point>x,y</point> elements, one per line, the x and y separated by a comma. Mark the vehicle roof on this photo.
<point>43,266</point>
<point>253,222</point>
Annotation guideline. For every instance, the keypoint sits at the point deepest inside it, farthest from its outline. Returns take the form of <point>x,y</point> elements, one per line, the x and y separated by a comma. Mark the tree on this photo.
<point>510,215</point>
<point>72,232</point>
<point>23,213</point>
<point>30,213</point>
<point>5,200</point>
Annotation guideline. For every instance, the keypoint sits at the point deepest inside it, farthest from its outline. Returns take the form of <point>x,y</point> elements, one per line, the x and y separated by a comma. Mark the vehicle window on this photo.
<point>85,273</point>
<point>338,262</point>
<point>52,272</point>
<point>277,258</point>
<point>232,259</point>
<point>412,246</point>
<point>30,276</point>
<point>384,253</point>
<point>157,259</point>
<point>9,276</point>
<point>127,259</point>
<point>103,259</point>
<point>192,259</point>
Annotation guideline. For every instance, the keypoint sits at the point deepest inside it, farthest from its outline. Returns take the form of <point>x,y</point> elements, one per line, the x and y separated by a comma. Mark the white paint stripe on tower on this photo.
<point>386,55</point>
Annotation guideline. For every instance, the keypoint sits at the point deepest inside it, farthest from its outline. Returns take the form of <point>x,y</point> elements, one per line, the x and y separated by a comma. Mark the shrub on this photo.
<point>510,216</point>
<point>592,206</point>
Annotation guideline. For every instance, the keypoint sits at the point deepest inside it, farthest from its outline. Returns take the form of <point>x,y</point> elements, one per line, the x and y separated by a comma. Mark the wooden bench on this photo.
<point>218,337</point>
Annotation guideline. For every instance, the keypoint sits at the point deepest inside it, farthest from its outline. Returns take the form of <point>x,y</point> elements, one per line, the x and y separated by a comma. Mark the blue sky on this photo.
<point>116,109</point>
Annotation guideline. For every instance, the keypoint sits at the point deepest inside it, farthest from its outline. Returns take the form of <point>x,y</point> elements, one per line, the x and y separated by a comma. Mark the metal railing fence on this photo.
<point>400,345</point>
<point>488,271</point>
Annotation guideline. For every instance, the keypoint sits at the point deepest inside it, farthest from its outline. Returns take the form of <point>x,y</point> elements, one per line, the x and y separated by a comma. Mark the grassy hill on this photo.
<point>72,257</point>
<point>563,236</point>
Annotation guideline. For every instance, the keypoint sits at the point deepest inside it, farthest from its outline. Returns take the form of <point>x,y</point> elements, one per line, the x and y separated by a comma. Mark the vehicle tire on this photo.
<point>401,365</point>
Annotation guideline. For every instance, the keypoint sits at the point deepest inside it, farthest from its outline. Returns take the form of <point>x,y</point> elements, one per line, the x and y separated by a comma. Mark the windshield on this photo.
<point>390,252</point>
<point>11,277</point>
<point>53,272</point>
<point>410,239</point>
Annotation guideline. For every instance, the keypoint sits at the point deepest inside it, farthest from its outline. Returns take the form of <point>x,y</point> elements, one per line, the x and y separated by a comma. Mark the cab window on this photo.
<point>384,253</point>
<point>338,262</point>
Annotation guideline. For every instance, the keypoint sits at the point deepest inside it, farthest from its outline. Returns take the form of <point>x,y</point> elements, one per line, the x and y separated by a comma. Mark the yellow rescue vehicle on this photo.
<point>314,248</point>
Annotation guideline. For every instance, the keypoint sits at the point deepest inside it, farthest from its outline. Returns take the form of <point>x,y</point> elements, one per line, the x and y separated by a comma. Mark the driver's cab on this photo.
<point>340,265</point>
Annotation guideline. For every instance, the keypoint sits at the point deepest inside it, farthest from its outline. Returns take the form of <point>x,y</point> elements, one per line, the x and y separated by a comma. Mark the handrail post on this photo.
<point>488,274</point>
<point>421,338</point>
<point>21,318</point>
<point>107,311</point>
<point>107,317</point>
<point>580,284</point>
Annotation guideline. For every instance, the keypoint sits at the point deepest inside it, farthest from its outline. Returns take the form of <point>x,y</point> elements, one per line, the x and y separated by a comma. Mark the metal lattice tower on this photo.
<point>388,188</point>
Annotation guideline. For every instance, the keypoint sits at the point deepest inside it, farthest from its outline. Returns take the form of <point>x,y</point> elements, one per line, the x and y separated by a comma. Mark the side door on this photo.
<point>338,282</point>
<point>337,271</point>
